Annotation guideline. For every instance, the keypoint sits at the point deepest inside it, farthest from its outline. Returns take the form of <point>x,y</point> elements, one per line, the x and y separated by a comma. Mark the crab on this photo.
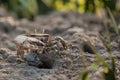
<point>38,43</point>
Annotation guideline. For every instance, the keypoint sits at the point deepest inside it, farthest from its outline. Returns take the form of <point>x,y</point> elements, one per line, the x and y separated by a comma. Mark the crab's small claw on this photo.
<point>62,41</point>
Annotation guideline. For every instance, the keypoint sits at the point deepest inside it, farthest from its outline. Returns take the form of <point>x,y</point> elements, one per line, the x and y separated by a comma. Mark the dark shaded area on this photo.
<point>43,8</point>
<point>47,61</point>
<point>90,6</point>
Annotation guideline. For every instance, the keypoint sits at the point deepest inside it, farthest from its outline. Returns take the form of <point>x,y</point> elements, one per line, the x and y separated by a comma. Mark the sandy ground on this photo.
<point>74,28</point>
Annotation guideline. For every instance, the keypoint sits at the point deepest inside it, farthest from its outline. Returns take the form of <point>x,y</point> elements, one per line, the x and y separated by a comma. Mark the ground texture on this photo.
<point>74,28</point>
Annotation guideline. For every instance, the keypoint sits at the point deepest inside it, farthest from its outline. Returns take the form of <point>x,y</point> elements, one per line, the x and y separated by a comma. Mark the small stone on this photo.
<point>33,59</point>
<point>11,59</point>
<point>4,52</point>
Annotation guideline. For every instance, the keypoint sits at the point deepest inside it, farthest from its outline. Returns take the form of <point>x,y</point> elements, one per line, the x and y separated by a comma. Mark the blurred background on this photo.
<point>30,8</point>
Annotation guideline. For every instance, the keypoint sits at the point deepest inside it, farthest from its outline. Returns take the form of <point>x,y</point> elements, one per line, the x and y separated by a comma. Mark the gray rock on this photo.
<point>33,59</point>
<point>11,59</point>
<point>4,52</point>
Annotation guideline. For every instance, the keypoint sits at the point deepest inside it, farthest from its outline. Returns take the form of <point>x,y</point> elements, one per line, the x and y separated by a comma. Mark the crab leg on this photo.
<point>37,35</point>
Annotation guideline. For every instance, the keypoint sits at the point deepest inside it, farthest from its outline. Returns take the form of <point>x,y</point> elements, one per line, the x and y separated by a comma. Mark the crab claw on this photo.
<point>62,41</point>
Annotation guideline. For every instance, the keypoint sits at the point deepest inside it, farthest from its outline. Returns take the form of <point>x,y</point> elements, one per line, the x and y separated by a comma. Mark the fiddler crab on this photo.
<point>37,44</point>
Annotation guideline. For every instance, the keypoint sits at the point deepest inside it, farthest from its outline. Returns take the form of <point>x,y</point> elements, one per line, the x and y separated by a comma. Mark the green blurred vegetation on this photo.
<point>31,8</point>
